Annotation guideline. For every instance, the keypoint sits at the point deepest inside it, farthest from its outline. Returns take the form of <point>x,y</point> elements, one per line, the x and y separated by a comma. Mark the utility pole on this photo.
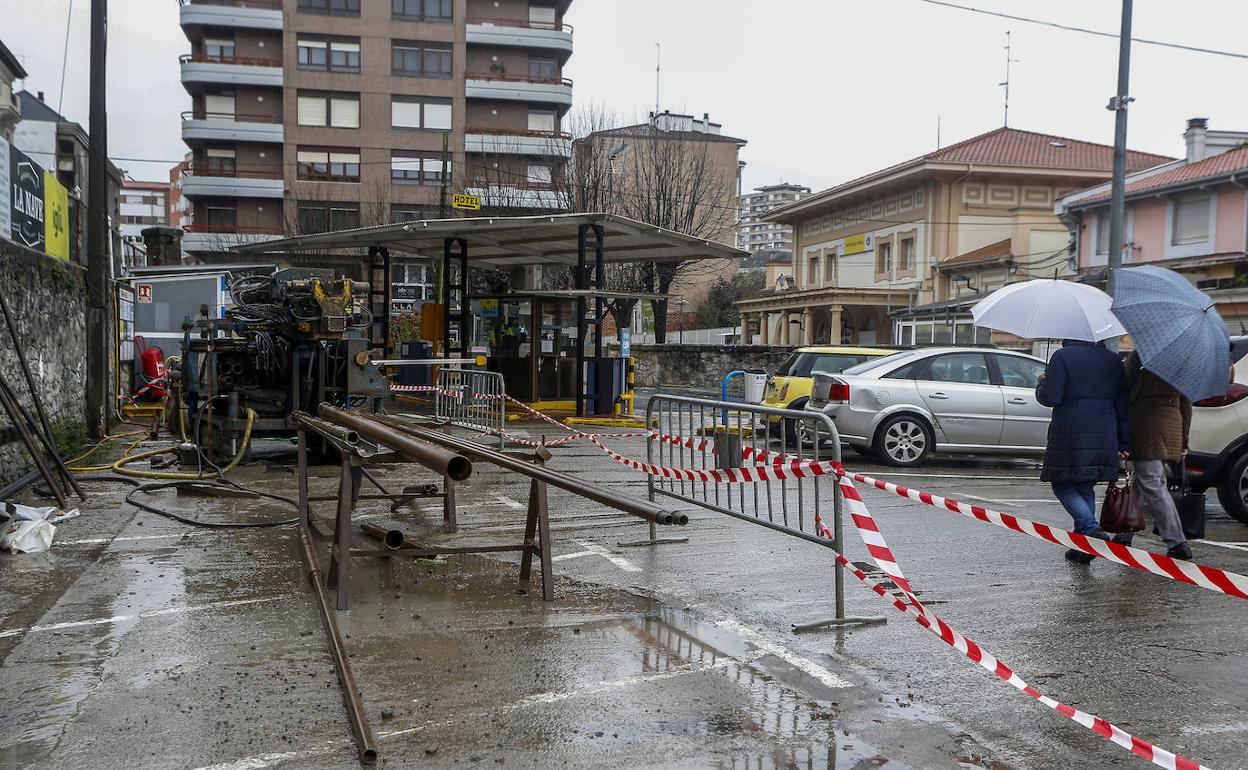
<point>98,342</point>
<point>1118,186</point>
<point>446,173</point>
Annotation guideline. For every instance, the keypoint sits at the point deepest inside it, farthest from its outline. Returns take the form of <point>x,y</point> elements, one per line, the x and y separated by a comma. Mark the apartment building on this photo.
<point>759,237</point>
<point>314,115</point>
<point>143,205</point>
<point>10,110</point>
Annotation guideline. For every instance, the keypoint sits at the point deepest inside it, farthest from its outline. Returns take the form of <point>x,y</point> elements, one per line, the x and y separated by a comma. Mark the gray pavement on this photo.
<point>140,642</point>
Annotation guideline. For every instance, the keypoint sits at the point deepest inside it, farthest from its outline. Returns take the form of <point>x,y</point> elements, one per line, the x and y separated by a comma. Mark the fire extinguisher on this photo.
<point>152,360</point>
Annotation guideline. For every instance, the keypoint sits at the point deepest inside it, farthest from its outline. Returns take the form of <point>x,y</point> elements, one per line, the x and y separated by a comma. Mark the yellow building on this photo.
<point>898,256</point>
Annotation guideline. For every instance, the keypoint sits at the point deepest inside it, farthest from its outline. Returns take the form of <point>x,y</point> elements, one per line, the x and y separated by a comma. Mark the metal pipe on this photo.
<point>438,459</point>
<point>391,538</point>
<point>365,741</point>
<point>19,417</point>
<point>641,509</point>
<point>345,435</point>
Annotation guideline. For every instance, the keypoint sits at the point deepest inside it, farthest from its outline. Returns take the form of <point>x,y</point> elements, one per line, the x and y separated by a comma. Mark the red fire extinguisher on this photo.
<point>153,363</point>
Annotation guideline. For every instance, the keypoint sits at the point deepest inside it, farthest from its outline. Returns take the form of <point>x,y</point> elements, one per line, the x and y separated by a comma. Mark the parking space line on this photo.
<point>615,559</point>
<point>139,615</point>
<point>1232,546</point>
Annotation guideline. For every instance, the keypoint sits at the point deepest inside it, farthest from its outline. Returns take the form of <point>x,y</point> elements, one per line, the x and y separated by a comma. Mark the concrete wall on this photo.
<point>701,366</point>
<point>47,297</point>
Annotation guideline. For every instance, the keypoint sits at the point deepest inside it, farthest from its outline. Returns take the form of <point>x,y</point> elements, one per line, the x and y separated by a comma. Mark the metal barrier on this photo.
<point>471,398</point>
<point>701,434</point>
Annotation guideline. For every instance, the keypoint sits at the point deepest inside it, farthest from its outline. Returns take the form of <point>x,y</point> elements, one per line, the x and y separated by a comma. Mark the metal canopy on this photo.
<point>504,241</point>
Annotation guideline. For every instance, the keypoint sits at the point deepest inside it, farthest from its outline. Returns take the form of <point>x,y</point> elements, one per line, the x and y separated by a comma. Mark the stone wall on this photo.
<point>701,367</point>
<point>47,297</point>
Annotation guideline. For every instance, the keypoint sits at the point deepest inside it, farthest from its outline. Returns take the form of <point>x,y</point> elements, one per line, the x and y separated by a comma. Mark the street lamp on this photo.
<point>683,302</point>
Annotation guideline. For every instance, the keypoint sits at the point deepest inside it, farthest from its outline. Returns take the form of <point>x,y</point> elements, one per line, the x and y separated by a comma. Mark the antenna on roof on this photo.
<point>658,60</point>
<point>1006,82</point>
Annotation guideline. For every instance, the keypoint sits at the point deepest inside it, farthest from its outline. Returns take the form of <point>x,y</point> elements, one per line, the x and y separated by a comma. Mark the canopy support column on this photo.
<point>455,250</point>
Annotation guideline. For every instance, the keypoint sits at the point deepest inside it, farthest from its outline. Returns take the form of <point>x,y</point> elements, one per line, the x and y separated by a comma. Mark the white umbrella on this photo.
<point>1046,308</point>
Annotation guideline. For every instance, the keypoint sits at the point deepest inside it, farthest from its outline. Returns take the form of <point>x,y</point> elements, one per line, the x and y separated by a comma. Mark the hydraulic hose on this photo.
<point>119,466</point>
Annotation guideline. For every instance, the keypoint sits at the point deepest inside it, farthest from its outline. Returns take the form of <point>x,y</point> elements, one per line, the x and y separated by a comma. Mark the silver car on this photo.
<point>903,407</point>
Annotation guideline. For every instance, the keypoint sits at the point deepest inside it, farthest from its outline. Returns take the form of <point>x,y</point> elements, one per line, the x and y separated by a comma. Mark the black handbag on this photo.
<point>1190,505</point>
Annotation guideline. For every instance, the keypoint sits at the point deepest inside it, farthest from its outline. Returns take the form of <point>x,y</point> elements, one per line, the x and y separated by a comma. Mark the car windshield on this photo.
<point>875,363</point>
<point>801,364</point>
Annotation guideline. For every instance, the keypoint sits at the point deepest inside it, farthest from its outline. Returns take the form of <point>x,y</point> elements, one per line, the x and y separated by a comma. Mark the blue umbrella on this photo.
<point>1177,331</point>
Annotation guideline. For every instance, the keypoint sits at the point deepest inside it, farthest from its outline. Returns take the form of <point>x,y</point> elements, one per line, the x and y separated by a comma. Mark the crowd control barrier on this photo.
<point>473,399</point>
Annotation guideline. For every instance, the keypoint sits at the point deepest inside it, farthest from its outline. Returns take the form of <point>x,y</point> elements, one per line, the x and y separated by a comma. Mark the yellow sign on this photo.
<point>469,202</point>
<point>856,244</point>
<point>56,224</point>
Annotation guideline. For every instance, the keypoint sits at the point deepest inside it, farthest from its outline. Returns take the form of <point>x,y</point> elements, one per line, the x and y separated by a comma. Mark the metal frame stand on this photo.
<point>537,536</point>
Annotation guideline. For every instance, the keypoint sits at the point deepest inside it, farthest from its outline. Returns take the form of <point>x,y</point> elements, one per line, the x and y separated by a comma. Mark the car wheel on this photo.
<point>1233,491</point>
<point>796,431</point>
<point>903,441</point>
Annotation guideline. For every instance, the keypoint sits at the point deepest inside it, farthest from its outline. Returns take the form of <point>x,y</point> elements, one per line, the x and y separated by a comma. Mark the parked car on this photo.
<point>789,387</point>
<point>903,407</point>
<point>1219,440</point>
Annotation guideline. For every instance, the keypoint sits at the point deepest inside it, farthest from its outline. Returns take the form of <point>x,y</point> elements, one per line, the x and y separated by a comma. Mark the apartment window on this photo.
<point>907,255</point>
<point>218,48</point>
<point>418,168</point>
<point>422,10</point>
<point>884,257</point>
<point>330,54</point>
<point>543,69</point>
<point>220,161</point>
<point>812,270</point>
<point>328,164</point>
<point>335,110</point>
<point>542,16</point>
<point>420,60</point>
<point>539,175</point>
<point>321,216</point>
<point>220,215</point>
<point>829,266</point>
<point>330,7</point>
<point>412,213</point>
<point>1190,221</point>
<point>542,120</point>
<point>219,105</point>
<point>420,112</point>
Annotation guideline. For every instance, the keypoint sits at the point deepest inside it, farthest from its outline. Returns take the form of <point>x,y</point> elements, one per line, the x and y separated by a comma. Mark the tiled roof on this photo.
<point>998,249</point>
<point>1190,173</point>
<point>999,147</point>
<point>1012,147</point>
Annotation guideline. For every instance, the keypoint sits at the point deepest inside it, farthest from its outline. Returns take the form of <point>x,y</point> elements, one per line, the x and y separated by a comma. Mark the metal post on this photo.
<point>651,446</point>
<point>1118,185</point>
<point>97,230</point>
<point>582,282</point>
<point>302,462</point>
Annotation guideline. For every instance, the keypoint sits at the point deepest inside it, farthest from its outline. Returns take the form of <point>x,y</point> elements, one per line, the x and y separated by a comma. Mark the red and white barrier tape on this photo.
<point>882,555</point>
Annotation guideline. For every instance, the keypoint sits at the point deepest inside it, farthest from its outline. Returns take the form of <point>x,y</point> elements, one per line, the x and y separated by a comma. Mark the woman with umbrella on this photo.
<point>1084,385</point>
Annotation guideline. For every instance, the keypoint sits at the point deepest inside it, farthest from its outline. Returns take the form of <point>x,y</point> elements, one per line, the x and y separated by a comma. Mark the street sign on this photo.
<point>144,291</point>
<point>467,202</point>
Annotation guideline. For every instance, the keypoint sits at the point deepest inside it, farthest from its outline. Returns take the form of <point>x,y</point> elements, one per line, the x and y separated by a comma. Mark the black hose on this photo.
<point>140,487</point>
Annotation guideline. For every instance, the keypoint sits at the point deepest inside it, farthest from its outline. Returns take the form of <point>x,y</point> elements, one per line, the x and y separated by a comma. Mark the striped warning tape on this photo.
<point>913,608</point>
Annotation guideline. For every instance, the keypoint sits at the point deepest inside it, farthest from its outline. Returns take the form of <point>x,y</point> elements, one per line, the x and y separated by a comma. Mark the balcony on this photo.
<point>519,195</point>
<point>501,141</point>
<point>231,127</point>
<point>224,182</point>
<point>215,239</point>
<point>520,33</point>
<point>246,14</point>
<point>518,88</point>
<point>231,70</point>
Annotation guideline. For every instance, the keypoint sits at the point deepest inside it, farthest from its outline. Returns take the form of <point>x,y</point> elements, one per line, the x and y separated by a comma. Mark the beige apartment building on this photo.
<point>312,115</point>
<point>897,257</point>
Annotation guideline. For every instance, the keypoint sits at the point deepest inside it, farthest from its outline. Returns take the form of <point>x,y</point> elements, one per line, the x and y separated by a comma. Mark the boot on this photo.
<point>1079,557</point>
<point>1181,551</point>
<point>1124,538</point>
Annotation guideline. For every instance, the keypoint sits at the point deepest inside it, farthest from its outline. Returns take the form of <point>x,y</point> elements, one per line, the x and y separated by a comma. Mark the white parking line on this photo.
<point>806,666</point>
<point>615,559</point>
<point>577,555</point>
<point>98,540</point>
<point>139,616</point>
<point>1232,546</point>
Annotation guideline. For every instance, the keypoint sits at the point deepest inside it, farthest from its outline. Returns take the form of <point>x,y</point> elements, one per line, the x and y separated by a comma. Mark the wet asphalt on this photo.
<point>140,642</point>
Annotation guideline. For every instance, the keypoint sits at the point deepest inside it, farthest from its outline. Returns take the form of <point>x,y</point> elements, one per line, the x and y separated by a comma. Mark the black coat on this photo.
<point>1085,386</point>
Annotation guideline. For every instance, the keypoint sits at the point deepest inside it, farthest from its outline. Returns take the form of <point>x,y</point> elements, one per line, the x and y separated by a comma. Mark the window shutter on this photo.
<point>312,111</point>
<point>405,114</point>
<point>220,152</point>
<point>344,113</point>
<point>541,121</point>
<point>1191,221</point>
<point>219,104</point>
<point>437,115</point>
<point>345,157</point>
<point>310,156</point>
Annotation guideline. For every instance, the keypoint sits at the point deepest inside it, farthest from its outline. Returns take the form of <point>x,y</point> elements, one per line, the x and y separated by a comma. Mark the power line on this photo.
<point>1084,30</point>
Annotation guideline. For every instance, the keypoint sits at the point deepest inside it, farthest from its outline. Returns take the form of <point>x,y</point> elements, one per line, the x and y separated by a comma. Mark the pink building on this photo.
<point>1189,215</point>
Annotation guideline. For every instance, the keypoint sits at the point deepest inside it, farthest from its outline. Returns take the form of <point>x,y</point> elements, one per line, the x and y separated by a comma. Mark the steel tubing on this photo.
<point>639,508</point>
<point>391,538</point>
<point>365,741</point>
<point>438,459</point>
<point>345,435</point>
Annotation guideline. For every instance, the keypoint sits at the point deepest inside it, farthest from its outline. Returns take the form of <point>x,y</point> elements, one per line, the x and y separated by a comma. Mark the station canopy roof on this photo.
<point>505,241</point>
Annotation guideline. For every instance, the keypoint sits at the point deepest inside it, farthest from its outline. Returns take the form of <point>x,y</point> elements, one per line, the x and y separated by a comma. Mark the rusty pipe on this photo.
<point>640,508</point>
<point>391,538</point>
<point>365,741</point>
<point>437,459</point>
<point>345,435</point>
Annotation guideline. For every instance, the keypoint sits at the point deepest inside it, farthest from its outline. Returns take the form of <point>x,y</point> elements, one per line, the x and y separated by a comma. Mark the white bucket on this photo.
<point>755,385</point>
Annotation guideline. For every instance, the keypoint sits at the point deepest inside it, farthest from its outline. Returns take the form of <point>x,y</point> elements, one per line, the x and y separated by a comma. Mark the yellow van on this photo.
<point>789,387</point>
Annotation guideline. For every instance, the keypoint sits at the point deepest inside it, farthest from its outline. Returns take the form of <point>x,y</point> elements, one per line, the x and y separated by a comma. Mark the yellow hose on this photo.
<point>119,466</point>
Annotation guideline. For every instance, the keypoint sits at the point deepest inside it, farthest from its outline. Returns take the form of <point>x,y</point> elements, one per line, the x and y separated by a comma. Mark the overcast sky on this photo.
<point>823,90</point>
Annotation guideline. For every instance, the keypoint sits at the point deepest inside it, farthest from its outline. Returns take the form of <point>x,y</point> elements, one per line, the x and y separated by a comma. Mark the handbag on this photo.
<point>1120,512</point>
<point>1189,504</point>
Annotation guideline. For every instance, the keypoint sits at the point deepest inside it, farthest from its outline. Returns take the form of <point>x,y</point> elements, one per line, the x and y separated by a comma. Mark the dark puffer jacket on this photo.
<point>1161,417</point>
<point>1085,386</point>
